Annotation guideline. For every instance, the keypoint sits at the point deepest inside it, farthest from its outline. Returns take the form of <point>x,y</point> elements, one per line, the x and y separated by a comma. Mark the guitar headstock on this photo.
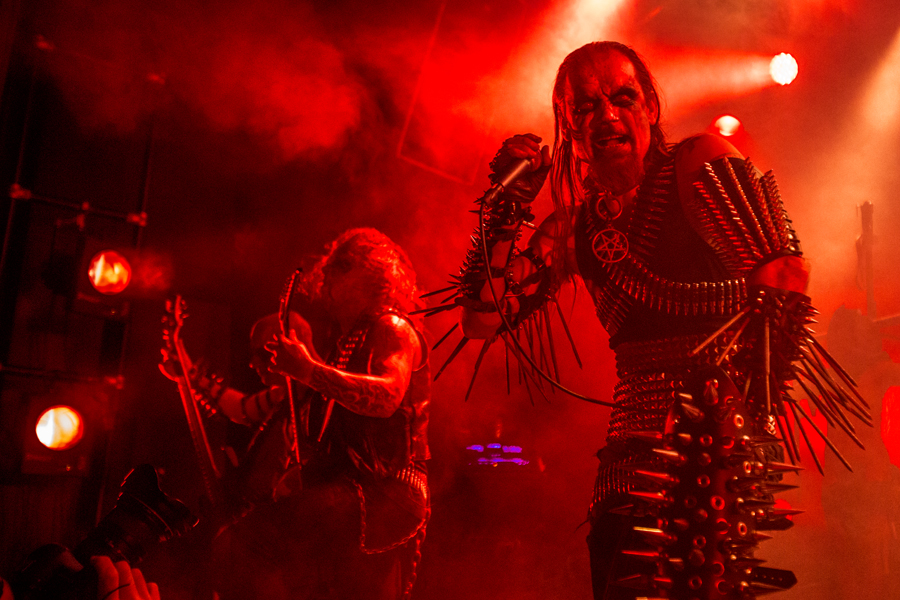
<point>175,314</point>
<point>172,322</point>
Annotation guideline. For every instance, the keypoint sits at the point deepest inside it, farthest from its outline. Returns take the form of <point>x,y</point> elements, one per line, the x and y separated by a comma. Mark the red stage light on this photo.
<point>727,125</point>
<point>109,272</point>
<point>59,427</point>
<point>890,423</point>
<point>783,69</point>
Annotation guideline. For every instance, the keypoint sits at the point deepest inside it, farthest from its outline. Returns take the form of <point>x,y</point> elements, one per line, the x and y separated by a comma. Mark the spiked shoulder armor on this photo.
<point>740,214</point>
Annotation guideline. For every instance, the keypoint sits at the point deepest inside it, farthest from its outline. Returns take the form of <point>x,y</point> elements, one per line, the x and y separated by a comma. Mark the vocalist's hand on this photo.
<point>120,582</point>
<point>525,189</point>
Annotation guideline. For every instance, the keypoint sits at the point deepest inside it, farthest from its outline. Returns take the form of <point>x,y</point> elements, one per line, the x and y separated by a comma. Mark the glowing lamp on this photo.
<point>109,272</point>
<point>727,125</point>
<point>783,69</point>
<point>59,427</point>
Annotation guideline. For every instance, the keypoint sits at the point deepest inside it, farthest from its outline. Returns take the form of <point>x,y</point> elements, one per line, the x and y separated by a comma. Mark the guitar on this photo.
<point>212,477</point>
<point>284,313</point>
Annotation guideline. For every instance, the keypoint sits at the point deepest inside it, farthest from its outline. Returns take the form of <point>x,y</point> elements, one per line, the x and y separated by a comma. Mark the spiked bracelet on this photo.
<point>502,222</point>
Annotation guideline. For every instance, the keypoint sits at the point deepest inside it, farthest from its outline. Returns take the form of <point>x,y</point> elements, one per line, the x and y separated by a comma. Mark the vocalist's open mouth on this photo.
<point>611,142</point>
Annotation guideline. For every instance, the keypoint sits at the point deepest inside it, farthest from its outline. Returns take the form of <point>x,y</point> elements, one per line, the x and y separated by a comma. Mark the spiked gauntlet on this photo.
<point>503,212</point>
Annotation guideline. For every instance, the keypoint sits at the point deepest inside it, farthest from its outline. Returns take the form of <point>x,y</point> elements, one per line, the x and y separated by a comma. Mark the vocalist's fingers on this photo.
<point>545,155</point>
<point>140,585</point>
<point>529,140</point>
<point>108,578</point>
<point>154,591</point>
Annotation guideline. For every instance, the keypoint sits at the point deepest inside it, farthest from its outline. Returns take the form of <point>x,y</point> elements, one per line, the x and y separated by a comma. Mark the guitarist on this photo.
<point>354,529</point>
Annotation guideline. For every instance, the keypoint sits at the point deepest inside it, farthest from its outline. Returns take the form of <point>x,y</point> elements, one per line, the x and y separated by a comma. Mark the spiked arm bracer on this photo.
<point>740,214</point>
<point>526,295</point>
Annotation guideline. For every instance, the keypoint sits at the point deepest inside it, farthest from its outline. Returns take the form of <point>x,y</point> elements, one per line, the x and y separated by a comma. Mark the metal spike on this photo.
<point>637,581</point>
<point>436,292</point>
<point>450,297</point>
<point>653,437</point>
<point>744,484</point>
<point>761,537</point>
<point>453,354</point>
<point>834,364</point>
<point>732,342</point>
<point>809,446</point>
<point>430,312</point>
<point>654,535</point>
<point>760,590</point>
<point>645,555</point>
<point>692,412</point>
<point>757,441</point>
<point>446,335</point>
<point>711,391</point>
<point>774,488</point>
<point>777,524</point>
<point>550,342</point>
<point>743,562</point>
<point>718,332</point>
<point>825,438</point>
<point>658,477</point>
<point>738,545</point>
<point>681,524</point>
<point>758,502</point>
<point>670,455</point>
<point>779,578</point>
<point>652,497</point>
<point>626,510</point>
<point>790,445</point>
<point>565,325</point>
<point>780,467</point>
<point>684,438</point>
<point>484,349</point>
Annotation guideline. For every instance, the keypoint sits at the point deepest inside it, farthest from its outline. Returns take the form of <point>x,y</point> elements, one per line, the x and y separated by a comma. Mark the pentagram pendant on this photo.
<point>610,246</point>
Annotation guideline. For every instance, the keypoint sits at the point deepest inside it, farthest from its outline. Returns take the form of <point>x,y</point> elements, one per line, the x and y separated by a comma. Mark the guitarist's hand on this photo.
<point>169,366</point>
<point>291,357</point>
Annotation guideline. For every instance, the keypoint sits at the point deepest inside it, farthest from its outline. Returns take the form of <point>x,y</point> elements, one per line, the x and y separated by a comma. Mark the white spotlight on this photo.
<point>783,69</point>
<point>727,125</point>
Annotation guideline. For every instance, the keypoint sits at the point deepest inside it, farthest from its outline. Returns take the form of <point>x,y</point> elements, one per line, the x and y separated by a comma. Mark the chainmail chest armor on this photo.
<point>659,303</point>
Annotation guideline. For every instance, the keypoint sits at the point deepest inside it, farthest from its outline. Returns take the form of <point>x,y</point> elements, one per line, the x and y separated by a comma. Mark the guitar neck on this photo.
<point>212,478</point>
<point>284,317</point>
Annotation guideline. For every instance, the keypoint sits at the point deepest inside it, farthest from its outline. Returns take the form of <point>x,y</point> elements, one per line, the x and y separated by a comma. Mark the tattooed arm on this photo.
<point>393,352</point>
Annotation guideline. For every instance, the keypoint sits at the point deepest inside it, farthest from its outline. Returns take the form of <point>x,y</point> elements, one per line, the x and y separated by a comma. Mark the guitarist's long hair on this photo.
<point>391,277</point>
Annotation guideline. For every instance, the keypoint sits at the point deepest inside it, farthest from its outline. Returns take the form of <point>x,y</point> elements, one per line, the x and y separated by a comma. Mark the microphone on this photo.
<point>515,170</point>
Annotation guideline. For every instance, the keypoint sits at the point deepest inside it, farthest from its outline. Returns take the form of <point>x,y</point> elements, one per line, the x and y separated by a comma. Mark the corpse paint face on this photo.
<point>608,118</point>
